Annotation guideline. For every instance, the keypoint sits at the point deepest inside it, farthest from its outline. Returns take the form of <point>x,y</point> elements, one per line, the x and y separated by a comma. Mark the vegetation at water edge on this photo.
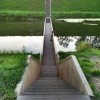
<point>90,67</point>
<point>12,66</point>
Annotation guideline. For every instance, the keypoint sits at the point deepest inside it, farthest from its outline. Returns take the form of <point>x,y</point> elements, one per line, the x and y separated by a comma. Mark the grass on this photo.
<point>20,15</point>
<point>76,8</point>
<point>87,65</point>
<point>22,9</point>
<point>75,14</point>
<point>21,28</point>
<point>62,28</point>
<point>12,66</point>
<point>60,8</point>
<point>76,5</point>
<point>22,5</point>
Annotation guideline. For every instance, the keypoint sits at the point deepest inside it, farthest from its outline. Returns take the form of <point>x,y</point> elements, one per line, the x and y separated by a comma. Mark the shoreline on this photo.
<point>24,15</point>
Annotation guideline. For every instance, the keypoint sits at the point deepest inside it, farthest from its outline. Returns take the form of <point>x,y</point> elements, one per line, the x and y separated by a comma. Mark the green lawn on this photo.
<point>57,5</point>
<point>60,8</point>
<point>76,8</point>
<point>12,66</point>
<point>22,8</point>
<point>90,68</point>
<point>22,5</point>
<point>76,5</point>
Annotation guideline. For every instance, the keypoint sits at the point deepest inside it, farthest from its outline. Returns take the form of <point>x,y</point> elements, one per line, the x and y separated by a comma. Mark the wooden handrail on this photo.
<point>43,36</point>
<point>31,74</point>
<point>41,54</point>
<point>35,59</point>
<point>71,72</point>
<point>55,51</point>
<point>65,59</point>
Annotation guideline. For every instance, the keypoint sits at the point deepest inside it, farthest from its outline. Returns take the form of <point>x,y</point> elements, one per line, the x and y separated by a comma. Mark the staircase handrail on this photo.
<point>71,72</point>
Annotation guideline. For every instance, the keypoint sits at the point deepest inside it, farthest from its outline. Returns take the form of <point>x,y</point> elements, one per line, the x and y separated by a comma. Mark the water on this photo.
<point>63,45</point>
<point>62,27</point>
<point>79,20</point>
<point>22,36</point>
<point>34,44</point>
<point>77,27</point>
<point>19,43</point>
<point>22,28</point>
<point>69,43</point>
<point>72,31</point>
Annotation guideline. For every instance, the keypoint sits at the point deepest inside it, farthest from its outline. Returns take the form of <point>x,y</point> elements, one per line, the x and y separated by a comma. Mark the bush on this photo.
<point>82,45</point>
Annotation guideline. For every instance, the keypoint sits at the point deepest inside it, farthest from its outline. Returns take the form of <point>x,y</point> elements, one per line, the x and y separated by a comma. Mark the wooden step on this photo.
<point>53,97</point>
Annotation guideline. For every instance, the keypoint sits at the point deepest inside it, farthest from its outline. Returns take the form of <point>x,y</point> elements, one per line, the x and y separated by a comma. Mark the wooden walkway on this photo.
<point>50,86</point>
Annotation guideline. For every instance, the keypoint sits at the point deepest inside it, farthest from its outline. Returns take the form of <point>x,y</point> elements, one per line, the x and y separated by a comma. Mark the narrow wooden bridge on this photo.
<point>53,80</point>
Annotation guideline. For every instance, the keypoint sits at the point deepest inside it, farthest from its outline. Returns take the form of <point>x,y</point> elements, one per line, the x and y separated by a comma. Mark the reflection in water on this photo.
<point>34,44</point>
<point>17,43</point>
<point>79,20</point>
<point>93,40</point>
<point>67,41</point>
<point>21,28</point>
<point>89,24</point>
<point>77,27</point>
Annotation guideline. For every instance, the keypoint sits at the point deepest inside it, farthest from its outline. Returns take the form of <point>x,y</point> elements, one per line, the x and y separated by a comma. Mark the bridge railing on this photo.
<point>41,55</point>
<point>31,74</point>
<point>71,72</point>
<point>55,51</point>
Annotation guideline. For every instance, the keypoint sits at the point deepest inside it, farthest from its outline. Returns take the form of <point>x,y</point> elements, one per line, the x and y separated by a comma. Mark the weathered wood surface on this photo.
<point>31,74</point>
<point>50,86</point>
<point>71,72</point>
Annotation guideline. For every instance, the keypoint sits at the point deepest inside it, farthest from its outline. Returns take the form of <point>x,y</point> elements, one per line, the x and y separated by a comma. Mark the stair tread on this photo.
<point>55,96</point>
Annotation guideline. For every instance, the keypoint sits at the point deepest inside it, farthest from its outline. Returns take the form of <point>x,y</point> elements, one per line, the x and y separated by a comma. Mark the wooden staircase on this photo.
<point>49,64</point>
<point>50,86</point>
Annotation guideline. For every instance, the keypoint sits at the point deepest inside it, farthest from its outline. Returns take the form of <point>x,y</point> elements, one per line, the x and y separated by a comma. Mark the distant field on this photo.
<point>57,5</point>
<point>76,5</point>
<point>22,8</point>
<point>76,8</point>
<point>60,8</point>
<point>22,5</point>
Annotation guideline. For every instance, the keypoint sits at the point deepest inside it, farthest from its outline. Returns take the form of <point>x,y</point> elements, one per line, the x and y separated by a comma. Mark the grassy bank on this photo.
<point>89,61</point>
<point>60,9</point>
<point>12,66</point>
<point>75,14</point>
<point>23,15</point>
<point>20,15</point>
